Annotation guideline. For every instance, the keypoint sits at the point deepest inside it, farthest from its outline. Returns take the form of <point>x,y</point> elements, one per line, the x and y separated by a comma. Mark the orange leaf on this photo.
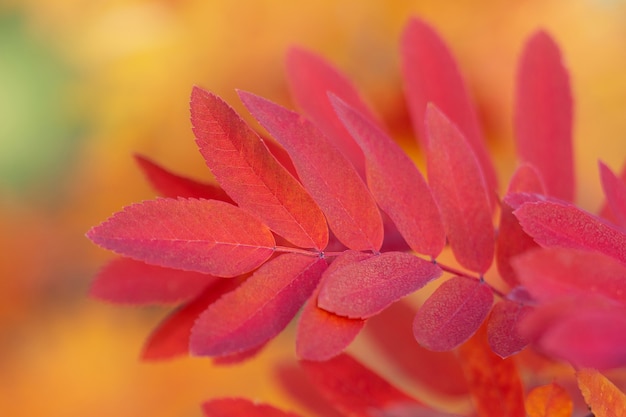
<point>550,400</point>
<point>601,395</point>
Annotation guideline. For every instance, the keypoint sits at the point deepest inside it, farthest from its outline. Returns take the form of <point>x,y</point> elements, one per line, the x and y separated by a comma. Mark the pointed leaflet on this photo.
<point>310,79</point>
<point>241,407</point>
<point>601,395</point>
<point>543,115</point>
<point>615,192</point>
<point>504,338</point>
<point>207,236</point>
<point>173,186</point>
<point>431,75</point>
<point>550,400</point>
<point>249,173</point>
<point>396,183</point>
<point>512,240</point>
<point>322,335</point>
<point>335,379</point>
<point>459,188</point>
<point>364,289</point>
<point>259,309</point>
<point>332,181</point>
<point>555,224</point>
<point>606,212</point>
<point>452,313</point>
<point>125,280</point>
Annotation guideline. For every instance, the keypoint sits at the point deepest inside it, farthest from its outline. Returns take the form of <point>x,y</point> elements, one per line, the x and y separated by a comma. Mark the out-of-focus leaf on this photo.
<point>543,115</point>
<point>259,309</point>
<point>249,173</point>
<point>550,400</point>
<point>206,236</point>
<point>503,336</point>
<point>601,395</point>
<point>125,280</point>
<point>615,192</point>
<point>241,407</point>
<point>396,183</point>
<point>332,181</point>
<point>459,188</point>
<point>431,75</point>
<point>452,313</point>
<point>606,212</point>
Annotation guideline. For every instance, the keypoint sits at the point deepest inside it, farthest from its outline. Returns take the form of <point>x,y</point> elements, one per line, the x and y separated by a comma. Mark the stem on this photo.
<point>297,250</point>
<point>460,273</point>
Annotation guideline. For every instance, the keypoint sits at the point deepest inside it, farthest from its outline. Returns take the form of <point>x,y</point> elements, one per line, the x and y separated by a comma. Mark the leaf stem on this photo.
<point>297,250</point>
<point>460,273</point>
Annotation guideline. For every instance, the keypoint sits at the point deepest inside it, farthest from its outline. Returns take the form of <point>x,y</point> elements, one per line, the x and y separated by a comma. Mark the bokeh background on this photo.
<point>84,84</point>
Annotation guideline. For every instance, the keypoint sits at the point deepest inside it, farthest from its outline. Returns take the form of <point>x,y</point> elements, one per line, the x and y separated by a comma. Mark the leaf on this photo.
<point>125,280</point>
<point>459,189</point>
<point>606,212</point>
<point>554,224</point>
<point>241,407</point>
<point>551,273</point>
<point>350,209</point>
<point>615,192</point>
<point>173,186</point>
<point>543,115</point>
<point>512,240</point>
<point>335,379</point>
<point>452,313</point>
<point>259,309</point>
<point>310,79</point>
<point>364,289</point>
<point>504,338</point>
<point>249,173</point>
<point>494,382</point>
<point>206,236</point>
<point>550,400</point>
<point>431,75</point>
<point>602,396</point>
<point>396,183</point>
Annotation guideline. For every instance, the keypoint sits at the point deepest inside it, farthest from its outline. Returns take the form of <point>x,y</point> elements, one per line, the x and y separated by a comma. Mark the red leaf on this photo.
<point>364,289</point>
<point>352,388</point>
<point>240,407</point>
<point>249,173</point>
<point>494,382</point>
<point>173,186</point>
<point>431,75</point>
<point>602,396</point>
<point>310,79</point>
<point>207,236</point>
<point>502,328</point>
<point>458,186</point>
<point>543,115</point>
<point>606,212</point>
<point>259,309</point>
<point>554,224</point>
<point>396,183</point>
<point>548,274</point>
<point>550,400</point>
<point>332,181</point>
<point>512,240</point>
<point>125,280</point>
<point>452,313</point>
<point>615,192</point>
<point>171,338</point>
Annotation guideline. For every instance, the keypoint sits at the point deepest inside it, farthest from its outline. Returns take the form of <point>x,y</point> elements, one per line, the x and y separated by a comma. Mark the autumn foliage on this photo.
<point>329,217</point>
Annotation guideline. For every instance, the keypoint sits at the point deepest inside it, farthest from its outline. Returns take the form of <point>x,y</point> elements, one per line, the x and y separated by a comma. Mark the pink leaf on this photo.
<point>259,309</point>
<point>207,236</point>
<point>615,192</point>
<point>396,183</point>
<point>512,240</point>
<point>606,212</point>
<point>458,186</point>
<point>332,181</point>
<point>310,79</point>
<point>364,289</point>
<point>249,173</point>
<point>173,186</point>
<point>125,280</point>
<point>452,313</point>
<point>431,75</point>
<point>543,115</point>
<point>555,224</point>
<point>503,335</point>
<point>240,407</point>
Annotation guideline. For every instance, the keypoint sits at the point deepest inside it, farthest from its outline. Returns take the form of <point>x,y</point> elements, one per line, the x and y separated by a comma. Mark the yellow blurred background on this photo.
<point>84,84</point>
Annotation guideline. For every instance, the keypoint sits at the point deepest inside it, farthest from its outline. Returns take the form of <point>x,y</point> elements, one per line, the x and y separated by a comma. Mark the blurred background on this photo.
<point>84,84</point>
